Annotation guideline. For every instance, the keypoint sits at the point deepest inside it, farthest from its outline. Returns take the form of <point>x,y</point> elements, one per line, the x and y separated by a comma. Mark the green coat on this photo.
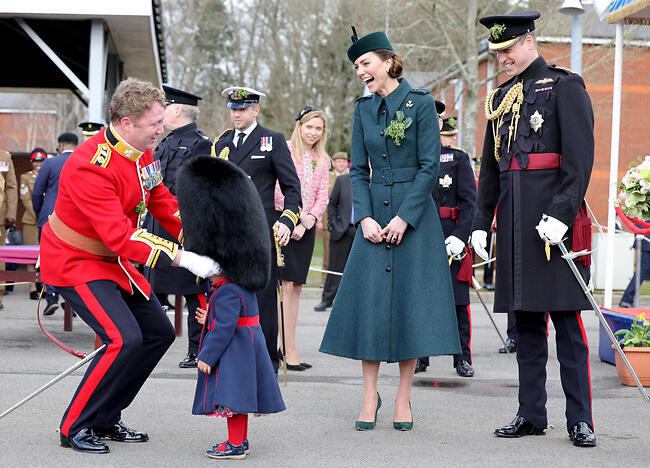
<point>395,302</point>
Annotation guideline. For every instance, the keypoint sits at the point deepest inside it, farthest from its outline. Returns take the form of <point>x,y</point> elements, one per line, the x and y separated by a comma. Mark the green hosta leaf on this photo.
<point>408,122</point>
<point>399,115</point>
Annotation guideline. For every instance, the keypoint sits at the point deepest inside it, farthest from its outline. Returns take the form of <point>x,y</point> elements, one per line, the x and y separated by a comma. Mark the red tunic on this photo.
<point>99,189</point>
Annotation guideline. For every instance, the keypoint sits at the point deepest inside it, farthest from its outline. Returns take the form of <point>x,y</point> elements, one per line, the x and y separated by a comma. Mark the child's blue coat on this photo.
<point>242,377</point>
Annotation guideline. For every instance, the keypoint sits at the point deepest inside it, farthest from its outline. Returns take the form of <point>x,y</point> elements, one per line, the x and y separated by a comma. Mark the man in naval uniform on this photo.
<point>537,158</point>
<point>183,141</point>
<point>263,154</point>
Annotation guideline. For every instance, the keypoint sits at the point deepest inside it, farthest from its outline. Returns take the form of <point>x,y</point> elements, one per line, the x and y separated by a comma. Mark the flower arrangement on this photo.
<point>635,187</point>
<point>397,127</point>
<point>638,335</point>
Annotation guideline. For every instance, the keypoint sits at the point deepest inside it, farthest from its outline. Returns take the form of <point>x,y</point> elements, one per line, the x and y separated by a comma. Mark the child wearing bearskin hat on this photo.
<point>223,218</point>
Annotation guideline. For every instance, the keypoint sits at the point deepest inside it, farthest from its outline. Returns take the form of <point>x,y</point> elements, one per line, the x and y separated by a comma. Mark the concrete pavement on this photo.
<point>454,417</point>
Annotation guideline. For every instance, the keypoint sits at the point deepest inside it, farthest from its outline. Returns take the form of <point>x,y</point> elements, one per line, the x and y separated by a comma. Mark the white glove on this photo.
<point>454,245</point>
<point>551,230</point>
<point>200,265</point>
<point>479,243</point>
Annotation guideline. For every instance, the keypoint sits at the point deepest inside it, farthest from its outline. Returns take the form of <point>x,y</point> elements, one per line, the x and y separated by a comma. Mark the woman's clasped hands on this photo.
<point>392,233</point>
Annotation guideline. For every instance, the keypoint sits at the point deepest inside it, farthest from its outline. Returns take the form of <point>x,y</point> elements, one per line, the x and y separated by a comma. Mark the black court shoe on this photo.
<point>519,427</point>
<point>582,435</point>
<point>85,441</point>
<point>420,366</point>
<point>120,433</point>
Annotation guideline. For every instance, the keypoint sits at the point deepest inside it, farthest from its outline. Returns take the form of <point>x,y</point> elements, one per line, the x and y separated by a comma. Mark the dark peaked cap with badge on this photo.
<point>449,126</point>
<point>90,128</point>
<point>178,96</point>
<point>223,218</point>
<point>506,29</point>
<point>368,43</point>
<point>240,97</point>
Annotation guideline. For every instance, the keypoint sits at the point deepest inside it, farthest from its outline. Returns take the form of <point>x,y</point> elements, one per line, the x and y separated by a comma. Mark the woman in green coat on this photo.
<point>395,301</point>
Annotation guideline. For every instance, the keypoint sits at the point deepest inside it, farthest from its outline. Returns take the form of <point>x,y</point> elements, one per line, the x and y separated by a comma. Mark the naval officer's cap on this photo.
<point>178,96</point>
<point>90,128</point>
<point>506,29</point>
<point>240,97</point>
<point>449,126</point>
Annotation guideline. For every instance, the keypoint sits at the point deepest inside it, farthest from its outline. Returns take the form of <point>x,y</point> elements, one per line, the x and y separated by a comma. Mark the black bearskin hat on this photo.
<point>223,218</point>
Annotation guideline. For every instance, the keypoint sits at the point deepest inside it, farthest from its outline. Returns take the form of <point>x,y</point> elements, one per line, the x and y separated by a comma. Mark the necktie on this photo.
<point>240,138</point>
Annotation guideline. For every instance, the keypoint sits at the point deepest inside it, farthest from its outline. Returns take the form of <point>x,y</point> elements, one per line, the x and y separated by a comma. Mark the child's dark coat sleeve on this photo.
<point>221,323</point>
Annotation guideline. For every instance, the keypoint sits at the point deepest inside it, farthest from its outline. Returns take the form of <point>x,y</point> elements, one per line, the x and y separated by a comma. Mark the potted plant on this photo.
<point>636,346</point>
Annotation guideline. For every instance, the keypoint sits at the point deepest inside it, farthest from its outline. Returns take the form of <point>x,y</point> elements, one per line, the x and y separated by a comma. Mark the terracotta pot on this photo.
<point>639,360</point>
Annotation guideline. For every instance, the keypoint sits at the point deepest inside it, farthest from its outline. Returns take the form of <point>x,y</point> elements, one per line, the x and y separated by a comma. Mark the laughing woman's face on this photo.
<point>371,69</point>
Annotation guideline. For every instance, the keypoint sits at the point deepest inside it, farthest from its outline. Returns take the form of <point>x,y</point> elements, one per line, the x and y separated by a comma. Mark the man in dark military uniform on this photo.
<point>89,129</point>
<point>263,154</point>
<point>537,159</point>
<point>184,141</point>
<point>455,198</point>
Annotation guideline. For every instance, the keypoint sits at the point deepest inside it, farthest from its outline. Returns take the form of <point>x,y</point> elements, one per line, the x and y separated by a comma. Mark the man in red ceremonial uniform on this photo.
<point>106,187</point>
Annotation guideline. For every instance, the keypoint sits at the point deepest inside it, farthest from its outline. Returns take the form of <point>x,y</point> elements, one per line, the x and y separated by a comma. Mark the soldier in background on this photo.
<point>30,230</point>
<point>89,129</point>
<point>44,194</point>
<point>8,201</point>
<point>184,141</point>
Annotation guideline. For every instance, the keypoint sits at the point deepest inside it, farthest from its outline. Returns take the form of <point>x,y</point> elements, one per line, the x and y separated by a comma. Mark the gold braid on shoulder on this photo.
<point>512,101</point>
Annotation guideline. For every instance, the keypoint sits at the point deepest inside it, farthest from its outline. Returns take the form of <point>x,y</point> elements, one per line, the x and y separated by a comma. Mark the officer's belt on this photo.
<point>447,212</point>
<point>388,176</point>
<point>78,240</point>
<point>248,321</point>
<point>536,161</point>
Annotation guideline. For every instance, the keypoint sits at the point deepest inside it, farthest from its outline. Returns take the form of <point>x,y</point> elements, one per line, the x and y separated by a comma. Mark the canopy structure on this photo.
<point>620,12</point>
<point>84,47</point>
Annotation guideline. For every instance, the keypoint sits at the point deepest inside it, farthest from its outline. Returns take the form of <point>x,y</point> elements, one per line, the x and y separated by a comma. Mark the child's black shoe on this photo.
<point>227,451</point>
<point>244,444</point>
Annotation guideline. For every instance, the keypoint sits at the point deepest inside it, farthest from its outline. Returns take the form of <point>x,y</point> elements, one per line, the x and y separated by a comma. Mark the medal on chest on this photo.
<point>536,121</point>
<point>151,175</point>
<point>266,143</point>
<point>446,157</point>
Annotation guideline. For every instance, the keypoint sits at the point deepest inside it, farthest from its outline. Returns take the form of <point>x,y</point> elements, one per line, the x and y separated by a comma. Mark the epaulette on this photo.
<point>102,155</point>
<point>420,91</point>
<point>226,132</point>
<point>363,98</point>
<point>568,71</point>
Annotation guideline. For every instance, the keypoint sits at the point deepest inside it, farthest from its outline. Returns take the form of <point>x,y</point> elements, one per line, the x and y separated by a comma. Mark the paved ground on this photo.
<point>454,417</point>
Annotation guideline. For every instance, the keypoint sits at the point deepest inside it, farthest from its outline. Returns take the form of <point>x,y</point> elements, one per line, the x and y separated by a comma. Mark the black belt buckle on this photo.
<point>387,176</point>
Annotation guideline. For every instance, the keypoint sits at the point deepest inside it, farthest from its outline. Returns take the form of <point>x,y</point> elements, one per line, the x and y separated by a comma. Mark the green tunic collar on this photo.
<point>393,101</point>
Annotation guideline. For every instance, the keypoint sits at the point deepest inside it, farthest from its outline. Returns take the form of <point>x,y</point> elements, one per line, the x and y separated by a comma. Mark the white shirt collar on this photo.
<point>248,131</point>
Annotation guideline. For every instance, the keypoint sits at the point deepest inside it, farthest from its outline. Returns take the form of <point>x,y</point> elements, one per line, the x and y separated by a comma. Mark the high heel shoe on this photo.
<point>368,425</point>
<point>404,426</point>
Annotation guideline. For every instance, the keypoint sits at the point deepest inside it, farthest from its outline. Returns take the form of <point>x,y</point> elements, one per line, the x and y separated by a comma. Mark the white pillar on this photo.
<point>576,44</point>
<point>458,107</point>
<point>613,164</point>
<point>97,71</point>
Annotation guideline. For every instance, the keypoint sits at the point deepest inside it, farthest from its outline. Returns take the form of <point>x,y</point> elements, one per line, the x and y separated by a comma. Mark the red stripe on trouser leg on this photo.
<point>548,318</point>
<point>584,337</point>
<point>237,428</point>
<point>104,363</point>
<point>469,344</point>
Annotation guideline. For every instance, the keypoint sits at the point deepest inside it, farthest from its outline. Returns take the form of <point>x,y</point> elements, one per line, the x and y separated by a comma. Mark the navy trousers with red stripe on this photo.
<point>573,355</point>
<point>137,333</point>
<point>464,318</point>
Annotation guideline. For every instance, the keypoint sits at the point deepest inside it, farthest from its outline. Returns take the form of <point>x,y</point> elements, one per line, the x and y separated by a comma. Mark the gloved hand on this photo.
<point>198,264</point>
<point>454,245</point>
<point>551,230</point>
<point>479,243</point>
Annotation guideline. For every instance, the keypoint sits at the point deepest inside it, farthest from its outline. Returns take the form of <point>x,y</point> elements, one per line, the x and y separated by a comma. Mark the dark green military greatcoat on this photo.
<point>395,302</point>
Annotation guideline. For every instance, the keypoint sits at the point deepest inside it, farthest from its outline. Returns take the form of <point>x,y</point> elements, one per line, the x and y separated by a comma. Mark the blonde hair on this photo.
<point>319,148</point>
<point>133,98</point>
